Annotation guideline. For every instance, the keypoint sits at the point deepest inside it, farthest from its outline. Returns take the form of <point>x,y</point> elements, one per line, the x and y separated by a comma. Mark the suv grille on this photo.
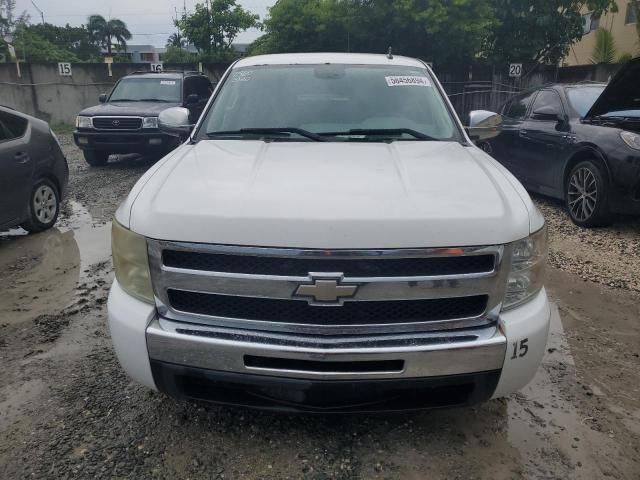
<point>297,267</point>
<point>351,313</point>
<point>117,123</point>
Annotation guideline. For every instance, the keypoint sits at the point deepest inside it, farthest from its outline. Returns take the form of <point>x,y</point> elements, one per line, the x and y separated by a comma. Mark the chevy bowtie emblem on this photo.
<point>325,290</point>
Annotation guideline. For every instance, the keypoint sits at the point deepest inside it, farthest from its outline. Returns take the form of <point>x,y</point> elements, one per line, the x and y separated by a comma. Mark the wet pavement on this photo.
<point>68,411</point>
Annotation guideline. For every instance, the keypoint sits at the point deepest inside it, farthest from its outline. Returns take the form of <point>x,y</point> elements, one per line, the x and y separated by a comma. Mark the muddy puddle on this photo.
<point>43,270</point>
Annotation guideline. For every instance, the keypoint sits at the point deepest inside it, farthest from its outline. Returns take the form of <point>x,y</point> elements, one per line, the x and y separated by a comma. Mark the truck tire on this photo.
<point>587,195</point>
<point>96,158</point>
<point>44,206</point>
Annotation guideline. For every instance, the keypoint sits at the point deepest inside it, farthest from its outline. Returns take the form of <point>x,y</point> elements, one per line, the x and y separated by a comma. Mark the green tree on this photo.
<point>214,25</point>
<point>178,55</point>
<point>305,26</point>
<point>35,49</point>
<point>76,40</point>
<point>106,32</point>
<point>538,30</point>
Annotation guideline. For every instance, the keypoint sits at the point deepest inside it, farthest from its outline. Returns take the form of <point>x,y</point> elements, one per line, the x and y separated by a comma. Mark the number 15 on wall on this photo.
<point>64,69</point>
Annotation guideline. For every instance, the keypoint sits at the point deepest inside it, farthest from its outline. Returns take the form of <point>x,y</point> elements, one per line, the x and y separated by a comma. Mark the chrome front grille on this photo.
<point>328,292</point>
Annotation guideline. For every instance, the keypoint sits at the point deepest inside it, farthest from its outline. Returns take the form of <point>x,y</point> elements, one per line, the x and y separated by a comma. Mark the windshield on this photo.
<point>336,102</point>
<point>583,98</point>
<point>146,89</point>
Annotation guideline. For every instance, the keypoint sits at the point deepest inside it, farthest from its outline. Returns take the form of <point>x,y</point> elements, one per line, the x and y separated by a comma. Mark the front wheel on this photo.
<point>44,206</point>
<point>587,195</point>
<point>96,158</point>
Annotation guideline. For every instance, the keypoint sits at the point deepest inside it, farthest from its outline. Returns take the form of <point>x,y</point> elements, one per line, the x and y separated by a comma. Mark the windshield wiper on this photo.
<point>382,132</point>
<point>267,131</point>
<point>122,100</point>
<point>155,100</point>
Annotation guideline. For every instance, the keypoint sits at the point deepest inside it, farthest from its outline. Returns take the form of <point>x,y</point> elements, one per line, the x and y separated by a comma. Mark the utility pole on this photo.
<point>39,11</point>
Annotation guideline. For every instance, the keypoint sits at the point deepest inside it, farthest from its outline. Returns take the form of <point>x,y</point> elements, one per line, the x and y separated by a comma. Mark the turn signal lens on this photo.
<point>131,263</point>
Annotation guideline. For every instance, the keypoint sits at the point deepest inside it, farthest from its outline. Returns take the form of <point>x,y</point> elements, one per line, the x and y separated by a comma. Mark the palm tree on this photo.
<point>104,32</point>
<point>176,40</point>
<point>604,50</point>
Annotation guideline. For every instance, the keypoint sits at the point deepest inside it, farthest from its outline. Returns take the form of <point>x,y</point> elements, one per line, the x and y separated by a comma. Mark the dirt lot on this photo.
<point>67,411</point>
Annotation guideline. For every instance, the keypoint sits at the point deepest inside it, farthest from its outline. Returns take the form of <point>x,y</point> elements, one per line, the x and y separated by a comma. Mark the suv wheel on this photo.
<point>587,195</point>
<point>95,158</point>
<point>44,206</point>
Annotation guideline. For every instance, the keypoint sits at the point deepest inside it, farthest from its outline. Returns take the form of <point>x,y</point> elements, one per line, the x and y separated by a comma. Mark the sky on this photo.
<point>150,21</point>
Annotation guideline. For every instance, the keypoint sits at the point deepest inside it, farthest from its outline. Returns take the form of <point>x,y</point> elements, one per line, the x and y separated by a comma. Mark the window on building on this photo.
<point>590,22</point>
<point>147,57</point>
<point>631,15</point>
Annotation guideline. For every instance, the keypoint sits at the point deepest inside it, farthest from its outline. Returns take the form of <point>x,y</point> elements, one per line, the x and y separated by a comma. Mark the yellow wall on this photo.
<point>625,36</point>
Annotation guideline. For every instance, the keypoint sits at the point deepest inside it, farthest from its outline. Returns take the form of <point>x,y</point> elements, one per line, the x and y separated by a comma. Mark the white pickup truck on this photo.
<point>329,239</point>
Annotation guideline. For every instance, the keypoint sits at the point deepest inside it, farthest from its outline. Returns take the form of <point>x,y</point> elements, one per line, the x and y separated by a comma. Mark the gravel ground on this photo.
<point>67,411</point>
<point>609,256</point>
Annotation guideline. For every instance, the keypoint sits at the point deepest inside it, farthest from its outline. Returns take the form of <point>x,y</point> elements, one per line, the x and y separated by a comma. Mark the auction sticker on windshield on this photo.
<point>167,82</point>
<point>400,81</point>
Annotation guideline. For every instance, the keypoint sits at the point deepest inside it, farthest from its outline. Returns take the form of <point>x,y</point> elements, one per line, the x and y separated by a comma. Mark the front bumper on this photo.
<point>328,374</point>
<point>123,141</point>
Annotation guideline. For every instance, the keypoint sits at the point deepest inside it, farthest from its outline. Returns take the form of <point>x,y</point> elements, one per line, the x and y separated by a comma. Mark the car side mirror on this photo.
<point>547,113</point>
<point>192,99</point>
<point>484,125</point>
<point>175,121</point>
<point>102,98</point>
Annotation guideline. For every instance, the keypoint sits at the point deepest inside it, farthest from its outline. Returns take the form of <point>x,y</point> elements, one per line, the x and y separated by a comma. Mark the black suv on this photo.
<point>127,119</point>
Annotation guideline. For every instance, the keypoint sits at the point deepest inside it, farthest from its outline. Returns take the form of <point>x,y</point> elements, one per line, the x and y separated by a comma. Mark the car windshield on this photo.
<point>583,98</point>
<point>146,89</point>
<point>330,102</point>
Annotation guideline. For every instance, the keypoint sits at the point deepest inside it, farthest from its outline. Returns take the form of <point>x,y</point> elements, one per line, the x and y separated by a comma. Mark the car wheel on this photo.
<point>96,158</point>
<point>587,195</point>
<point>44,206</point>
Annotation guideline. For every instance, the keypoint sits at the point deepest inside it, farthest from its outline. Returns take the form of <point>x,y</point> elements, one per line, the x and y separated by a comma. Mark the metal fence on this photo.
<point>488,87</point>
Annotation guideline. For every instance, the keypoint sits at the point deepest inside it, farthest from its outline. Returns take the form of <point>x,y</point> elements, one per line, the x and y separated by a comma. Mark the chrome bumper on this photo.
<point>283,355</point>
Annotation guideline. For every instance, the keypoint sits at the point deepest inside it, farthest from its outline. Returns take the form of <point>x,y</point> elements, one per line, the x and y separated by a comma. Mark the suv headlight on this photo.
<point>150,122</point>
<point>131,263</point>
<point>631,139</point>
<point>526,276</point>
<point>84,122</point>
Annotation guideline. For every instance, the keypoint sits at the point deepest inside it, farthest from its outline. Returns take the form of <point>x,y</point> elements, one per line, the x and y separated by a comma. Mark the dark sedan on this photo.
<point>579,143</point>
<point>33,172</point>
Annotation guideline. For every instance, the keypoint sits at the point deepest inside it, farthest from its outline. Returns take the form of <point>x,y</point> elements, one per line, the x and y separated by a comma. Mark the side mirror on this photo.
<point>192,99</point>
<point>175,121</point>
<point>547,113</point>
<point>484,125</point>
<point>102,98</point>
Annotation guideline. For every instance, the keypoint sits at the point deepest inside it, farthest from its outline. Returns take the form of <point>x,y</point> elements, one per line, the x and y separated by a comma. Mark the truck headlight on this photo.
<point>526,276</point>
<point>131,263</point>
<point>84,122</point>
<point>150,122</point>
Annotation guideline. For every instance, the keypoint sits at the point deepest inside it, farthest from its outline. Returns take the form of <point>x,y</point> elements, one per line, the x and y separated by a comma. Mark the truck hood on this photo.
<point>330,195</point>
<point>621,97</point>
<point>138,109</point>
